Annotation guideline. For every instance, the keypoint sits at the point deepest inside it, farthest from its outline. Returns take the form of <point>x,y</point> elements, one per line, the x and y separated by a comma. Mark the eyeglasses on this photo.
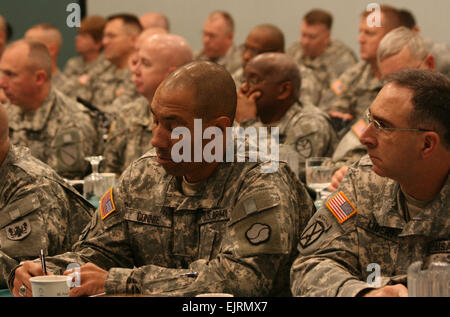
<point>379,126</point>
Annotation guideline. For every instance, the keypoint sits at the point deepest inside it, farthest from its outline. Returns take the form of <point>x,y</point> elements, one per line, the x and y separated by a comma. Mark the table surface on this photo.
<point>5,293</point>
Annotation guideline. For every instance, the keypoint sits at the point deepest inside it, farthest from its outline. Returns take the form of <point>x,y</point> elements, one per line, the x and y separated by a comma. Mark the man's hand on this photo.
<point>23,274</point>
<point>92,281</point>
<point>398,290</point>
<point>246,106</point>
<point>337,178</point>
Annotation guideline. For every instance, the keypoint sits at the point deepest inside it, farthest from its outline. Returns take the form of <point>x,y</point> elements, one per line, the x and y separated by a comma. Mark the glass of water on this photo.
<point>318,176</point>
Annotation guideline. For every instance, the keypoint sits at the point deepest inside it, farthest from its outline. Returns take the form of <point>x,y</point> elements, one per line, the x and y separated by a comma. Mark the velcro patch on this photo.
<point>338,87</point>
<point>19,230</point>
<point>359,127</point>
<point>311,234</point>
<point>107,205</point>
<point>258,233</point>
<point>341,207</point>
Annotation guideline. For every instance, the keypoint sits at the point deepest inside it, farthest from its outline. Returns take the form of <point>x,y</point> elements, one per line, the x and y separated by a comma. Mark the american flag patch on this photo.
<point>338,87</point>
<point>359,127</point>
<point>341,207</point>
<point>107,205</point>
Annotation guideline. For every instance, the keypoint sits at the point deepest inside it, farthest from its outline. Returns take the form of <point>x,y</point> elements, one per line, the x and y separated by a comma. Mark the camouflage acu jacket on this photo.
<point>308,130</point>
<point>353,92</point>
<point>60,133</point>
<point>236,234</point>
<point>129,136</point>
<point>232,60</point>
<point>328,66</point>
<point>38,210</point>
<point>363,223</point>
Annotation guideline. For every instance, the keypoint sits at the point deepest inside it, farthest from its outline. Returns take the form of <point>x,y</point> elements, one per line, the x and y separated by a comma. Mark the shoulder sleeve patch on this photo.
<point>341,207</point>
<point>107,206</point>
<point>338,87</point>
<point>254,203</point>
<point>359,127</point>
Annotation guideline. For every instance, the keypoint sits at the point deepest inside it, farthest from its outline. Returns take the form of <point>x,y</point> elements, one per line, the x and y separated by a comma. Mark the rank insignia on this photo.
<point>258,233</point>
<point>107,205</point>
<point>341,207</point>
<point>18,230</point>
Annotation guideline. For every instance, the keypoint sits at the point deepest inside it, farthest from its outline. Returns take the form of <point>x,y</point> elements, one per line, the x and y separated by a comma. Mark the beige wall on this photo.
<point>187,16</point>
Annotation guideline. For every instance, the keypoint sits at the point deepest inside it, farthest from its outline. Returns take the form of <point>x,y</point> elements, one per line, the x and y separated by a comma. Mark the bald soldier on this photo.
<point>131,133</point>
<point>400,49</point>
<point>151,20</point>
<point>218,46</point>
<point>58,130</point>
<point>51,37</point>
<point>269,38</point>
<point>180,229</point>
<point>272,90</point>
<point>392,208</point>
<point>38,210</point>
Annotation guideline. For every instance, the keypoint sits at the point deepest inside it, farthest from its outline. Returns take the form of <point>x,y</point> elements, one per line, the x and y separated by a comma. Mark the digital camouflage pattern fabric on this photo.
<point>38,210</point>
<point>237,231</point>
<point>129,136</point>
<point>335,255</point>
<point>232,60</point>
<point>307,129</point>
<point>328,66</point>
<point>352,92</point>
<point>60,133</point>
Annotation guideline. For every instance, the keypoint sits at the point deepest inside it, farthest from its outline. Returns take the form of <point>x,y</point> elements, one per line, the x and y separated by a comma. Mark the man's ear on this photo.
<point>285,90</point>
<point>431,141</point>
<point>41,77</point>
<point>429,62</point>
<point>221,122</point>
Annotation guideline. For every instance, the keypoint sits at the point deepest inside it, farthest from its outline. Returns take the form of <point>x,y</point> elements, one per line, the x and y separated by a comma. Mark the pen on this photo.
<point>44,266</point>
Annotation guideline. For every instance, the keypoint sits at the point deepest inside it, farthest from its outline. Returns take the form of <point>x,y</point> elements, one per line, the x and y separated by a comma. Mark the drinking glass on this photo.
<point>318,176</point>
<point>94,188</point>
<point>431,282</point>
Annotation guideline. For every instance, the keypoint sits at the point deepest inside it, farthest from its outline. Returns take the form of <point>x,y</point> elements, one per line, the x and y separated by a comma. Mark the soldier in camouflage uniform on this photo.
<point>400,49</point>
<point>327,58</point>
<point>218,46</point>
<point>38,210</point>
<point>392,207</point>
<point>112,78</point>
<point>190,227</point>
<point>350,95</point>
<point>269,38</point>
<point>58,130</point>
<point>88,44</point>
<point>130,134</point>
<point>275,78</point>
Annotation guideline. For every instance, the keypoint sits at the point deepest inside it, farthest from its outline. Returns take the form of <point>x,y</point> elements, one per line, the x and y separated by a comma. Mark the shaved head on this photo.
<point>38,56</point>
<point>154,20</point>
<point>279,67</point>
<point>45,33</point>
<point>213,88</point>
<point>270,37</point>
<point>175,50</point>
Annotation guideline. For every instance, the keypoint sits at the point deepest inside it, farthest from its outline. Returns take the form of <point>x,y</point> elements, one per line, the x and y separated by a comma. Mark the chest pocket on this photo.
<point>377,245</point>
<point>151,235</point>
<point>212,228</point>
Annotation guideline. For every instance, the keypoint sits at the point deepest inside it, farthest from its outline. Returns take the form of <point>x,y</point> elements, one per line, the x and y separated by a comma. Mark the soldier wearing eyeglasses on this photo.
<point>391,208</point>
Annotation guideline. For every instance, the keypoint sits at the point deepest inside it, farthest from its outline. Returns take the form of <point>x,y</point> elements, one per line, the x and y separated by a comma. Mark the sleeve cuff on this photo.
<point>117,281</point>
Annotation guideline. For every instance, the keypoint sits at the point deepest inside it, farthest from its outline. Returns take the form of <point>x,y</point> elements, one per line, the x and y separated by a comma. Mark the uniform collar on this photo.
<point>34,121</point>
<point>207,197</point>
<point>432,221</point>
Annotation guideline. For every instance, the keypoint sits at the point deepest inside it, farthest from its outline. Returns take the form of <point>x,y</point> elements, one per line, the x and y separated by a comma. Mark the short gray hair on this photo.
<point>394,41</point>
